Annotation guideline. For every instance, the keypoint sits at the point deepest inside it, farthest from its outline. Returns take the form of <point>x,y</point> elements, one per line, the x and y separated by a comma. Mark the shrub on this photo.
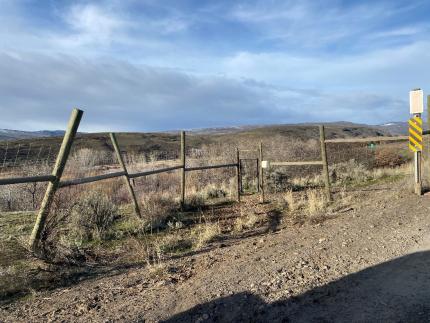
<point>349,171</point>
<point>278,181</point>
<point>87,158</point>
<point>194,202</point>
<point>388,158</point>
<point>215,193</point>
<point>157,210</point>
<point>92,216</point>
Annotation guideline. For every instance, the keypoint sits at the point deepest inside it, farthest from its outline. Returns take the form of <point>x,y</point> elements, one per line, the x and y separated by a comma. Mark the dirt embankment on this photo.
<point>369,263</point>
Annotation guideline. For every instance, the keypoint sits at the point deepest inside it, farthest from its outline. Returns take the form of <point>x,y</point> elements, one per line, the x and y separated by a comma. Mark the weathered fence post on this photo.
<point>60,163</point>
<point>325,164</point>
<point>183,164</point>
<point>124,168</point>
<point>261,171</point>
<point>238,179</point>
<point>258,175</point>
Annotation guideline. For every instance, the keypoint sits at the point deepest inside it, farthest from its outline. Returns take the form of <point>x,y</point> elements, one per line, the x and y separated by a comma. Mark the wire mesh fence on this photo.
<point>18,156</point>
<point>29,158</point>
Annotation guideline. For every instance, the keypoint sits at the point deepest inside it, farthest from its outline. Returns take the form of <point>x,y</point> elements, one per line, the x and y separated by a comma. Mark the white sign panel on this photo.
<point>416,101</point>
<point>265,164</point>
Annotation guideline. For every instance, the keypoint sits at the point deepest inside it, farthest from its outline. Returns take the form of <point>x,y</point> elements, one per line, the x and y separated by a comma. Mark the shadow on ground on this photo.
<point>394,291</point>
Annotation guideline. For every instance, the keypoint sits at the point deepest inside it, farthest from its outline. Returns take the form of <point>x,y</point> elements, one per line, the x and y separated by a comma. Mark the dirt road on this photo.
<point>368,263</point>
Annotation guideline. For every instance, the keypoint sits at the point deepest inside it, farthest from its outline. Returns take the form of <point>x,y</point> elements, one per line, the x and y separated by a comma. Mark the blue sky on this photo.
<point>156,65</point>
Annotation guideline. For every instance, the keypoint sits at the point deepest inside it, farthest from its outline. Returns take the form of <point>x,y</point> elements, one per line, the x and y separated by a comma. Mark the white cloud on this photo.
<point>109,69</point>
<point>303,24</point>
<point>93,23</point>
<point>121,96</point>
<point>393,70</point>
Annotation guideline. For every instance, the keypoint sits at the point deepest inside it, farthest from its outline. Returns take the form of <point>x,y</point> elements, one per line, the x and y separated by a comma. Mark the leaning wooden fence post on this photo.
<point>238,180</point>
<point>183,164</point>
<point>325,163</point>
<point>60,163</point>
<point>261,170</point>
<point>124,168</point>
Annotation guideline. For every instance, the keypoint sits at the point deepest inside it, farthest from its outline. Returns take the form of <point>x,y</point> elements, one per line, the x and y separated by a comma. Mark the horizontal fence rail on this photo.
<point>90,179</point>
<point>97,178</point>
<point>368,139</point>
<point>297,163</point>
<point>155,171</point>
<point>31,179</point>
<point>189,169</point>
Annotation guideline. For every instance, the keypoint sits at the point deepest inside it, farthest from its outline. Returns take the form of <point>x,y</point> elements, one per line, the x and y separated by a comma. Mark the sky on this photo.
<point>154,65</point>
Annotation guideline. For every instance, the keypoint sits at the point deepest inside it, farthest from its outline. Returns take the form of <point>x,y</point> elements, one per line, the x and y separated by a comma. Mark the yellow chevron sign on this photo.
<point>416,134</point>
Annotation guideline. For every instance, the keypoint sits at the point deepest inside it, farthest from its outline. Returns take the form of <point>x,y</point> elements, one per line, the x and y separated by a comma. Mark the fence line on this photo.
<point>55,181</point>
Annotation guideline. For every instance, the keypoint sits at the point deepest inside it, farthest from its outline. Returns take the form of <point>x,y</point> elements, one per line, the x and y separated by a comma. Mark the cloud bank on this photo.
<point>146,65</point>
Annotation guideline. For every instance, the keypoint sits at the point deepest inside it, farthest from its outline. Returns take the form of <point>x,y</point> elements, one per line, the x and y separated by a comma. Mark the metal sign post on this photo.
<point>416,99</point>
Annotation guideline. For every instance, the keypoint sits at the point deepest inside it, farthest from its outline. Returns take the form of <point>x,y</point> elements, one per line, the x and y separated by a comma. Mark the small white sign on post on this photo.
<point>265,164</point>
<point>416,101</point>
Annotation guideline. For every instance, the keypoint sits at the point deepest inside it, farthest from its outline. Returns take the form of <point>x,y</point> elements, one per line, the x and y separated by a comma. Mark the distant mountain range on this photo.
<point>391,128</point>
<point>7,134</point>
<point>396,128</point>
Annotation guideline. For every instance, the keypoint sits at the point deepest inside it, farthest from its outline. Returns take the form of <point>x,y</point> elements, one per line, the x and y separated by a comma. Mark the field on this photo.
<point>93,235</point>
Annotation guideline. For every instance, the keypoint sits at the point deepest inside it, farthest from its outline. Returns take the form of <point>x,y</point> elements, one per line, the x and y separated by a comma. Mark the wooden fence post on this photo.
<point>124,168</point>
<point>258,175</point>
<point>238,174</point>
<point>183,164</point>
<point>261,170</point>
<point>325,164</point>
<point>60,163</point>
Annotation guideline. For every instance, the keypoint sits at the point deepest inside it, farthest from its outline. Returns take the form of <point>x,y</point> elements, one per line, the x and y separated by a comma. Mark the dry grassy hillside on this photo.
<point>153,143</point>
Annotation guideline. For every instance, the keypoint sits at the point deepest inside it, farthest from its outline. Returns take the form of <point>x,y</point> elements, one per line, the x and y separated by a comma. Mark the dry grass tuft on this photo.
<point>293,203</point>
<point>316,202</point>
<point>247,221</point>
<point>205,233</point>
